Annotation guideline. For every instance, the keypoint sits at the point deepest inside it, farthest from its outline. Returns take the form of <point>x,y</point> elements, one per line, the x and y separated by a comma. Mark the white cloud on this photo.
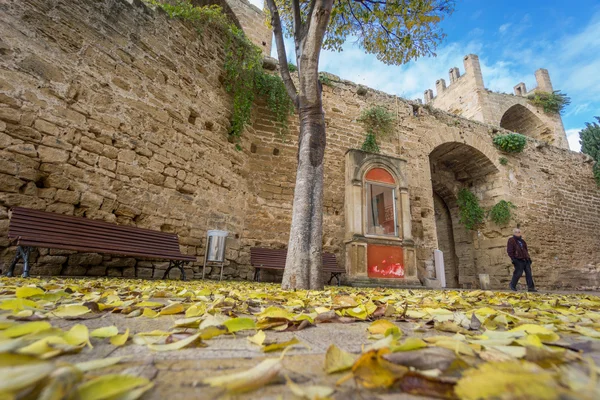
<point>258,3</point>
<point>573,138</point>
<point>504,27</point>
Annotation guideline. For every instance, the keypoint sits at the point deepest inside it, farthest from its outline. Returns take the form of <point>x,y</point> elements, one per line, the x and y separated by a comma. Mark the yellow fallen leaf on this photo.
<point>25,329</point>
<point>337,360</point>
<point>175,308</point>
<point>26,291</point>
<point>212,331</point>
<point>411,343</point>
<point>258,339</point>
<point>61,383</point>
<point>280,346</point>
<point>119,340</point>
<point>15,378</point>
<point>151,304</point>
<point>359,312</point>
<point>380,326</point>
<point>191,322</point>
<point>105,332</point>
<point>97,364</point>
<point>239,324</point>
<point>71,310</point>
<point>372,371</point>
<point>110,386</point>
<point>249,380</point>
<point>344,301</point>
<point>149,313</point>
<point>180,344</point>
<point>589,332</point>
<point>544,333</point>
<point>17,304</point>
<point>49,347</point>
<point>530,340</point>
<point>78,335</point>
<point>313,392</point>
<point>507,380</point>
<point>276,312</point>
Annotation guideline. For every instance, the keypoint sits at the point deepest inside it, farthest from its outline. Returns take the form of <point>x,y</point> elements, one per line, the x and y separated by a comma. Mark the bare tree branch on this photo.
<point>282,57</point>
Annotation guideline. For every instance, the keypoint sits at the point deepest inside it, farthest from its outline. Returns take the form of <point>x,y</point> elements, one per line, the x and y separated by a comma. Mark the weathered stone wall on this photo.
<point>112,111</point>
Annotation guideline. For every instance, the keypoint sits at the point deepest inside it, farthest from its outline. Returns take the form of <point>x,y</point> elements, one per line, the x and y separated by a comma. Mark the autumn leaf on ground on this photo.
<point>70,310</point>
<point>119,340</point>
<point>25,329</point>
<point>280,346</point>
<point>258,339</point>
<point>249,380</point>
<point>423,359</point>
<point>337,360</point>
<point>111,386</point>
<point>180,344</point>
<point>372,371</point>
<point>61,383</point>
<point>239,324</point>
<point>311,392</point>
<point>507,380</point>
<point>105,332</point>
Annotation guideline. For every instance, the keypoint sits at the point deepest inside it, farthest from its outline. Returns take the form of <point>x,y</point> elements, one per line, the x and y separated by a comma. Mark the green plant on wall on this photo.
<point>378,122</point>
<point>511,142</point>
<point>501,213</point>
<point>552,103</point>
<point>503,160</point>
<point>589,137</point>
<point>471,214</point>
<point>244,75</point>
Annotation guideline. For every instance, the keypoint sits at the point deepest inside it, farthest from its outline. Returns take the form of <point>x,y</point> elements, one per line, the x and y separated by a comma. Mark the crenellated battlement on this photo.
<point>467,96</point>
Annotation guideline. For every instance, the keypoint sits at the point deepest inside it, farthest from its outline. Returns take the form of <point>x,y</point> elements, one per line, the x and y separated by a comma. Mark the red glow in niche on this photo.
<point>385,261</point>
<point>380,175</point>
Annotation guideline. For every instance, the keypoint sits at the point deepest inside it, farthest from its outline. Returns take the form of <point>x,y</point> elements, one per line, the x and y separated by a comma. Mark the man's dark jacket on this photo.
<point>515,250</point>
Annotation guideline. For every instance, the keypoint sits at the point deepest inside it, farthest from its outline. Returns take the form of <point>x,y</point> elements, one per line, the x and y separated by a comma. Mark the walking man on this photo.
<point>517,251</point>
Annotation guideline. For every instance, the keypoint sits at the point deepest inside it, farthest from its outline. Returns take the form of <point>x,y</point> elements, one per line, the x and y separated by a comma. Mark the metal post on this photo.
<point>222,266</point>
<point>26,253</point>
<point>205,257</point>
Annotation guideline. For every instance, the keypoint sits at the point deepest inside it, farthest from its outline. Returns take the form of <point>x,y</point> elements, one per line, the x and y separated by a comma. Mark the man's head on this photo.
<point>517,232</point>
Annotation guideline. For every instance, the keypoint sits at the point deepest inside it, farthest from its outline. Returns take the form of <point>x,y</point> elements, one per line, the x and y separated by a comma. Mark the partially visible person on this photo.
<point>517,251</point>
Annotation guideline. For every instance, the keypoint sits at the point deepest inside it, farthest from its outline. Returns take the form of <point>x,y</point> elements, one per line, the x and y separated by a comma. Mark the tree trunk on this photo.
<point>303,263</point>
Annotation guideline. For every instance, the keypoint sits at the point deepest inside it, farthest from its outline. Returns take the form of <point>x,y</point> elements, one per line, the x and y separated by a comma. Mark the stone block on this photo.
<point>61,208</point>
<point>48,259</point>
<point>121,262</point>
<point>56,181</point>
<point>96,271</point>
<point>52,155</point>
<point>9,183</point>
<point>129,272</point>
<point>433,283</point>
<point>46,269</point>
<point>114,272</point>
<point>143,272</point>
<point>91,200</point>
<point>27,149</point>
<point>74,270</point>
<point>67,196</point>
<point>46,127</point>
<point>85,259</point>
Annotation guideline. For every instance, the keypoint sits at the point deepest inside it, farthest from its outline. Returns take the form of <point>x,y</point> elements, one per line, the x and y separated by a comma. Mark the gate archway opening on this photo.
<point>454,166</point>
<point>522,120</point>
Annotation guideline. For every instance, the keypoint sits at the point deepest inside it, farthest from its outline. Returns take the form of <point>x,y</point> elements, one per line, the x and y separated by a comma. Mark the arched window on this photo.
<point>382,213</point>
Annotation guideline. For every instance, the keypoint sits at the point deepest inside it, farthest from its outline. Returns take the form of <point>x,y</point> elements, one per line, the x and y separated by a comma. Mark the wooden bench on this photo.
<point>274,259</point>
<point>33,228</point>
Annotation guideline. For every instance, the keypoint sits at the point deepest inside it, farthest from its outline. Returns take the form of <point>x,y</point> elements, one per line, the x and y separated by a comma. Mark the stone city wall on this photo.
<point>111,111</point>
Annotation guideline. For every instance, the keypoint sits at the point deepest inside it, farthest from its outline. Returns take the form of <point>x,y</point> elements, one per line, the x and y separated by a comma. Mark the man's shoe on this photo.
<point>511,287</point>
<point>532,290</point>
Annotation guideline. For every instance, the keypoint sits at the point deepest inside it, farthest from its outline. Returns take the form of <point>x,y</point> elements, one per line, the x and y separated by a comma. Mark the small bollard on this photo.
<point>484,281</point>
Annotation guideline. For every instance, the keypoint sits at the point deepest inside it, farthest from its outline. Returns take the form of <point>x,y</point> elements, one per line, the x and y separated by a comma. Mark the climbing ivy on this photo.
<point>511,142</point>
<point>244,76</point>
<point>503,160</point>
<point>553,103</point>
<point>501,212</point>
<point>377,121</point>
<point>589,137</point>
<point>471,214</point>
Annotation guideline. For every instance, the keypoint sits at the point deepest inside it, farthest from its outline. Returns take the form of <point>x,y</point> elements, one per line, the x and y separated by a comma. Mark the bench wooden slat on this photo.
<point>20,211</point>
<point>274,259</point>
<point>34,228</point>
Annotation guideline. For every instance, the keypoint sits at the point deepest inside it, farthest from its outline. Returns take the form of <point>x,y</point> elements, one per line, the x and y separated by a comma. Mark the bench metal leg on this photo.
<point>22,252</point>
<point>257,274</point>
<point>175,264</point>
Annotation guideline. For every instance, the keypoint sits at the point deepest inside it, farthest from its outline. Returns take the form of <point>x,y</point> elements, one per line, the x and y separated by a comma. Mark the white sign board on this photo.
<point>440,273</point>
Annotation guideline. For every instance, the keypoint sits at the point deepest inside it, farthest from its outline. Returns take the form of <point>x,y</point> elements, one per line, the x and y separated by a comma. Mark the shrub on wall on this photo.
<point>511,142</point>
<point>589,137</point>
<point>471,214</point>
<point>503,160</point>
<point>501,213</point>
<point>377,121</point>
<point>244,74</point>
<point>553,103</point>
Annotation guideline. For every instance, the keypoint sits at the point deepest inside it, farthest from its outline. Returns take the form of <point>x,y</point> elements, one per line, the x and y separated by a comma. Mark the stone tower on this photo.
<point>467,96</point>
<point>247,17</point>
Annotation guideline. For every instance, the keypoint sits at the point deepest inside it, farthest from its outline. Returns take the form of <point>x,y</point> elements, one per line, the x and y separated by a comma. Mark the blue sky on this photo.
<point>512,39</point>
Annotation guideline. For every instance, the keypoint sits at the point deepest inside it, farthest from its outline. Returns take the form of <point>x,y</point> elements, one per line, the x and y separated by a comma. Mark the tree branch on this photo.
<point>282,57</point>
